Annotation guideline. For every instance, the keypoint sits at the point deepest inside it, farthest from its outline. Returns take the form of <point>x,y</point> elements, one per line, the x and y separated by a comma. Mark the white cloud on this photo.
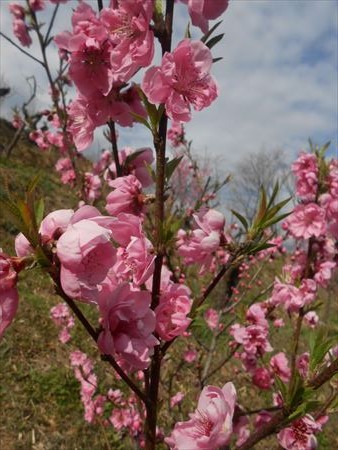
<point>278,78</point>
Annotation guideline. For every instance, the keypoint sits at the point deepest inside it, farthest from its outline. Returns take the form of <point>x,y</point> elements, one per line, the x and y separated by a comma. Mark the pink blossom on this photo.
<point>300,434</point>
<point>17,121</point>
<point>201,243</point>
<point>40,138</point>
<point>306,221</point>
<point>254,338</point>
<point>8,293</point>
<point>81,126</point>
<point>128,324</point>
<point>201,11</point>
<point>86,254</point>
<point>17,10</point>
<point>21,31</point>
<point>210,426</point>
<point>324,272</point>
<point>127,196</point>
<point>55,224</point>
<point>137,259</point>
<point>171,313</point>
<point>182,79</point>
<point>92,186</point>
<point>302,364</point>
<point>291,297</point>
<point>256,315</point>
<point>37,5</point>
<point>262,378</point>
<point>87,113</point>
<point>176,134</point>
<point>305,169</point>
<point>90,65</point>
<point>22,246</point>
<point>211,317</point>
<point>311,319</point>
<point>126,227</point>
<point>279,365</point>
<point>130,35</point>
<point>189,356</point>
<point>176,399</point>
<point>62,317</point>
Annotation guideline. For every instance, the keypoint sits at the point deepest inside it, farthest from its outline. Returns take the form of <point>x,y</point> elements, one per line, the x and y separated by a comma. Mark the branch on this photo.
<point>51,24</point>
<point>21,49</point>
<point>111,125</point>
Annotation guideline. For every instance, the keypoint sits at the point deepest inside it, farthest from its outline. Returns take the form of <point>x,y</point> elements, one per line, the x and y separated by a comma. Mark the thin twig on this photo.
<point>21,49</point>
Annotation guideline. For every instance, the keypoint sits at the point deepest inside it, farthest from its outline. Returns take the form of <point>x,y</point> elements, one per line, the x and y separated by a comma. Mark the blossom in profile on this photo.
<point>182,80</point>
<point>201,11</point>
<point>210,426</point>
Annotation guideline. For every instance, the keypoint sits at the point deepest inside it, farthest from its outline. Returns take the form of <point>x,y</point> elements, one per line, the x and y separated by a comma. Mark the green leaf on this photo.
<point>130,158</point>
<point>171,166</point>
<point>261,208</point>
<point>39,210</point>
<point>33,183</point>
<point>215,60</point>
<point>274,210</point>
<point>209,33</point>
<point>281,387</point>
<point>213,41</point>
<point>187,33</point>
<point>273,195</point>
<point>241,219</point>
<point>141,119</point>
<point>319,347</point>
<point>270,222</point>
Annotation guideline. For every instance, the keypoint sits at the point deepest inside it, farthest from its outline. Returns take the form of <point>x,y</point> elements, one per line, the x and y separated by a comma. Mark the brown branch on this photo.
<point>113,140</point>
<point>324,376</point>
<point>21,49</point>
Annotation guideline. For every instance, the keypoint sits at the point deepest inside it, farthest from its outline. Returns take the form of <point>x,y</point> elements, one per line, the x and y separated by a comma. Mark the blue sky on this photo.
<point>278,79</point>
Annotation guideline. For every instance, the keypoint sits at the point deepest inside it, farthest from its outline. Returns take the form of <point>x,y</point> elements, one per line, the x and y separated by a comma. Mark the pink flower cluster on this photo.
<point>62,317</point>
<point>210,426</point>
<point>65,168</point>
<point>20,27</point>
<point>84,373</point>
<point>104,52</point>
<point>253,337</point>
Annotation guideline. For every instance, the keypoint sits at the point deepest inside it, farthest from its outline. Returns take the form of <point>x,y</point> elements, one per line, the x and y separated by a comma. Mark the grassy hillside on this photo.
<point>39,396</point>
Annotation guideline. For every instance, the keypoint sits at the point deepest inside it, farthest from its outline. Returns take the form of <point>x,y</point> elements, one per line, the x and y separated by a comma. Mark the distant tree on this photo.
<point>256,170</point>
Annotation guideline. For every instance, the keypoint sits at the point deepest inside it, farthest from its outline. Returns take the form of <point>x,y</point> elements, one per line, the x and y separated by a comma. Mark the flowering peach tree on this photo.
<point>177,291</point>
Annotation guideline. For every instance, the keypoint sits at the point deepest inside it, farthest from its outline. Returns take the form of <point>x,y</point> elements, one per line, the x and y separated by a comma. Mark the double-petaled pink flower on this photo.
<point>172,311</point>
<point>210,426</point>
<point>86,253</point>
<point>183,79</point>
<point>128,324</point>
